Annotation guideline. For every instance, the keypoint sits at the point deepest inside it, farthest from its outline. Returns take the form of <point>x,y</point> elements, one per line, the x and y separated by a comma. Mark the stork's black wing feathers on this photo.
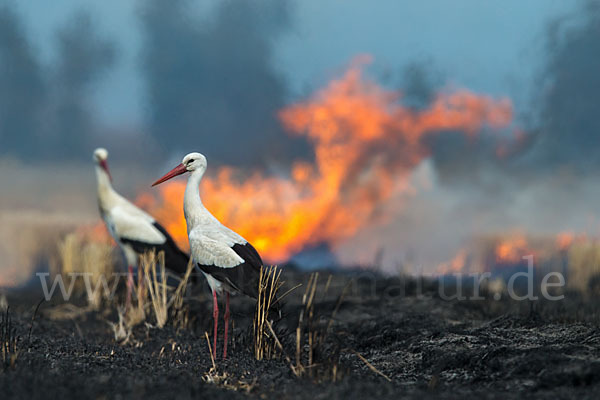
<point>249,254</point>
<point>175,259</point>
<point>243,277</point>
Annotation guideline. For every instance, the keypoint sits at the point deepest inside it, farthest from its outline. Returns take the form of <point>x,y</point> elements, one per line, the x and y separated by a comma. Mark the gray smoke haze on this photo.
<point>44,109</point>
<point>544,182</point>
<point>418,83</point>
<point>22,88</point>
<point>569,124</point>
<point>212,84</point>
<point>562,128</point>
<point>83,56</point>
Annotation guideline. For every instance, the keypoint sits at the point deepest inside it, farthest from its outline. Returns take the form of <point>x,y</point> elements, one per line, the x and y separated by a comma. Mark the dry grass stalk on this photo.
<point>149,263</point>
<point>268,287</point>
<point>27,236</point>
<point>180,314</point>
<point>69,251</point>
<point>8,342</point>
<point>371,367</point>
<point>136,313</point>
<point>335,310</point>
<point>121,331</point>
<point>152,293</point>
<point>305,316</point>
<point>177,299</point>
<point>280,347</point>
<point>90,264</point>
<point>223,379</point>
<point>66,311</point>
<point>311,335</point>
<point>226,381</point>
<point>97,263</point>
<point>584,267</point>
<point>212,358</point>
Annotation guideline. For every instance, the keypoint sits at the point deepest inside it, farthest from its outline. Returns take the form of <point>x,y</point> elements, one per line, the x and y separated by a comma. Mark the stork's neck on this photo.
<point>105,189</point>
<point>193,208</point>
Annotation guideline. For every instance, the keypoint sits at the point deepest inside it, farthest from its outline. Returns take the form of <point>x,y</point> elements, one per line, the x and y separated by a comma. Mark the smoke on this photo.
<point>536,177</point>
<point>212,84</point>
<point>83,57</point>
<point>419,83</point>
<point>366,143</point>
<point>45,110</point>
<point>22,88</point>
<point>560,131</point>
<point>569,126</point>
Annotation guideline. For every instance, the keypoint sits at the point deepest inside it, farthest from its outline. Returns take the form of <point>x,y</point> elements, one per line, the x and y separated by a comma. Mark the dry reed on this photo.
<point>90,264</point>
<point>9,350</point>
<point>268,287</point>
<point>312,333</point>
<point>149,263</point>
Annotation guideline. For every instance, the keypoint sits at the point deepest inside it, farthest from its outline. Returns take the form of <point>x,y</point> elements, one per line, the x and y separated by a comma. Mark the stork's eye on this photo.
<point>191,161</point>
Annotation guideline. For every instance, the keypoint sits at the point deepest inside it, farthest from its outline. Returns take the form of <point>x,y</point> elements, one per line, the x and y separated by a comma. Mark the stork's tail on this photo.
<point>178,263</point>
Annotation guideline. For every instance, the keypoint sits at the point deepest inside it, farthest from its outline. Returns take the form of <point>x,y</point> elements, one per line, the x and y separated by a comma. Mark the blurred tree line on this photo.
<point>211,84</point>
<point>44,110</point>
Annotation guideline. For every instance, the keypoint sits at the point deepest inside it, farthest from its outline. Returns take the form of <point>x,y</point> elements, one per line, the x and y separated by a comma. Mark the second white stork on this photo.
<point>134,230</point>
<point>229,262</point>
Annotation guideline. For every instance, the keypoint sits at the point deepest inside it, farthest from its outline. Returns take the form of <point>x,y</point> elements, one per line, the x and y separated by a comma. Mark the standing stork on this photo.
<point>229,262</point>
<point>134,230</point>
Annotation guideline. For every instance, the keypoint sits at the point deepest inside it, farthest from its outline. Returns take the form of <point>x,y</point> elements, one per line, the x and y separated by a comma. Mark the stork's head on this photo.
<point>190,163</point>
<point>100,157</point>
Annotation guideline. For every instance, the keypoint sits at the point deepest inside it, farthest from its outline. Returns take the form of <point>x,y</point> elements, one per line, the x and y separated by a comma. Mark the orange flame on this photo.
<point>509,250</point>
<point>512,249</point>
<point>455,266</point>
<point>564,240</point>
<point>94,233</point>
<point>366,144</point>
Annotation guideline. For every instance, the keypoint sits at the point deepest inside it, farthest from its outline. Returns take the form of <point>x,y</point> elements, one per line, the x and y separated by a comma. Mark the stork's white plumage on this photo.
<point>134,230</point>
<point>227,260</point>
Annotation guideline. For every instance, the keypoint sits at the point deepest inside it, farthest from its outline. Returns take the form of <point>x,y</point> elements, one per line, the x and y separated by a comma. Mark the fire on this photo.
<point>94,233</point>
<point>456,265</point>
<point>564,240</point>
<point>491,253</point>
<point>366,144</point>
<point>511,250</point>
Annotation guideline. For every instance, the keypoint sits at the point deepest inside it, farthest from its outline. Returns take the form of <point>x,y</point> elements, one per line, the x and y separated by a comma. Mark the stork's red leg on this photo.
<point>129,287</point>
<point>216,318</point>
<point>226,323</point>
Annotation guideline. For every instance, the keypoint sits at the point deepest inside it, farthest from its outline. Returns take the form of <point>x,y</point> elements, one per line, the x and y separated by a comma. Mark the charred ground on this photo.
<point>389,337</point>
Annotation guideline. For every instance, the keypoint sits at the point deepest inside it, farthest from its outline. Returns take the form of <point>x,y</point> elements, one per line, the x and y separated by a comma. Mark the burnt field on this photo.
<point>360,335</point>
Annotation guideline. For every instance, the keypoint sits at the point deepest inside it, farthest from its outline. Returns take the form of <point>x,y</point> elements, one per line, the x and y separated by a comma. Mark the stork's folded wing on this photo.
<point>207,251</point>
<point>132,227</point>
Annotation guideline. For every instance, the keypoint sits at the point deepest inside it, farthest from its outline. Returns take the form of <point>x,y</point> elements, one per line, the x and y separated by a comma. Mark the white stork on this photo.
<point>227,260</point>
<point>134,230</point>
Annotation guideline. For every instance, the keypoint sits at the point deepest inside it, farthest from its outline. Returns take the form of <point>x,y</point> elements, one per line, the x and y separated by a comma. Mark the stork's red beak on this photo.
<point>178,170</point>
<point>104,166</point>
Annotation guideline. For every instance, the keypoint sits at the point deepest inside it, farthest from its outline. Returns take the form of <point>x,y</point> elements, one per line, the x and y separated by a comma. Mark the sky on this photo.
<point>325,35</point>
